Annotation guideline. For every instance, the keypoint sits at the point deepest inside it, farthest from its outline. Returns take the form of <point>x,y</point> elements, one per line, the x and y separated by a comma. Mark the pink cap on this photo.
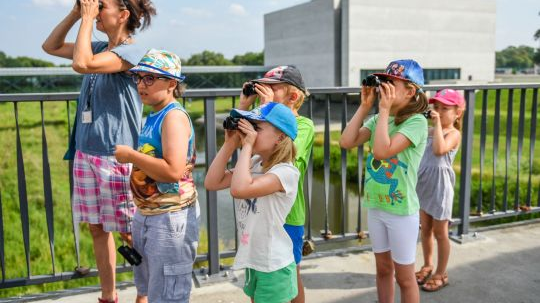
<point>448,97</point>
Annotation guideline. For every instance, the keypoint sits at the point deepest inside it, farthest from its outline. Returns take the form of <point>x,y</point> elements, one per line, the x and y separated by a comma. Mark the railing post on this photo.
<point>211,196</point>
<point>466,163</point>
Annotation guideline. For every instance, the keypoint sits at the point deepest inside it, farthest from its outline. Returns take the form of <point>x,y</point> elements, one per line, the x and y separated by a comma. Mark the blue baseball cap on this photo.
<point>407,69</point>
<point>279,115</point>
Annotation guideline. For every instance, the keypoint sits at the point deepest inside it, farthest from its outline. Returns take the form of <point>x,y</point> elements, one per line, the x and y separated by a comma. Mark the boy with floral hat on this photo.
<point>165,226</point>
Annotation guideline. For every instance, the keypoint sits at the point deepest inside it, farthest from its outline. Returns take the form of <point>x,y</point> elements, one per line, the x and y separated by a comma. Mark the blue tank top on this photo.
<point>150,144</point>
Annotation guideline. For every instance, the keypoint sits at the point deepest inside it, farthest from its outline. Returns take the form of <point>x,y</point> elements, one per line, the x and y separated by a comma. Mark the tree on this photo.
<point>515,57</point>
<point>536,57</point>
<point>208,58</point>
<point>7,61</point>
<point>249,58</point>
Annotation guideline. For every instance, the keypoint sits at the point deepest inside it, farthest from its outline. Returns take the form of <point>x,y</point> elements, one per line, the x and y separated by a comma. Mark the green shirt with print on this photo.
<point>303,143</point>
<point>390,184</point>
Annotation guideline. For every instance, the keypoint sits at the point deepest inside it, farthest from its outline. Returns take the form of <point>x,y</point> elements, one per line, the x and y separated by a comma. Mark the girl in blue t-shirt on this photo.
<point>165,226</point>
<point>397,139</point>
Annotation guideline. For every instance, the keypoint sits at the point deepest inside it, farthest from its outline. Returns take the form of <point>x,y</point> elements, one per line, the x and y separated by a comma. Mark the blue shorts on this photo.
<point>296,233</point>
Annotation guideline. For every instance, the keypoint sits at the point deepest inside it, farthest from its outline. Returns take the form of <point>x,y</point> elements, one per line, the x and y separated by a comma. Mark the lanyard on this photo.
<point>93,78</point>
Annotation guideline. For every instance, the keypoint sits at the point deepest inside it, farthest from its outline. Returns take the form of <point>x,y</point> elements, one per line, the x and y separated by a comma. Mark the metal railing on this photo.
<point>320,106</point>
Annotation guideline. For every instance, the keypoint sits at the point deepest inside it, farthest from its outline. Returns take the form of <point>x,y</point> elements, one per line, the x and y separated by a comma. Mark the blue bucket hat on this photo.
<point>279,115</point>
<point>407,69</point>
<point>161,62</point>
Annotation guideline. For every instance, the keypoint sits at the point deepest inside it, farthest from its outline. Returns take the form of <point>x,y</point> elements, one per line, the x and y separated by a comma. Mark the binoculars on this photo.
<point>231,123</point>
<point>374,81</point>
<point>130,254</point>
<point>99,3</point>
<point>249,89</point>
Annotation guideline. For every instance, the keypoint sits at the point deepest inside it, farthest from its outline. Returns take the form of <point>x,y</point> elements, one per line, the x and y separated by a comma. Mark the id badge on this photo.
<point>87,116</point>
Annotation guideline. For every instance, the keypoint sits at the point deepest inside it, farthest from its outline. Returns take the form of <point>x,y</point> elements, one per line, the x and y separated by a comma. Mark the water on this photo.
<point>226,221</point>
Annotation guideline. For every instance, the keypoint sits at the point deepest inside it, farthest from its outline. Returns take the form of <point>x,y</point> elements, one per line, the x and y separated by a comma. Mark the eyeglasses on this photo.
<point>148,80</point>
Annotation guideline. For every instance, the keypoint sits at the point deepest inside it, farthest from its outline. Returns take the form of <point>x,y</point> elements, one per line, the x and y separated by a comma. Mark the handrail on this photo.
<point>323,106</point>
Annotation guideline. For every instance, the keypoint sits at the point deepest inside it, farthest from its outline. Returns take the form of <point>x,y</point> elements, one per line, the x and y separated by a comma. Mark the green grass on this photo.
<point>40,256</point>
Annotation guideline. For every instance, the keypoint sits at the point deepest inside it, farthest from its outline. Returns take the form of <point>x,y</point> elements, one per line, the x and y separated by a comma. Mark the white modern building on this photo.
<point>339,42</point>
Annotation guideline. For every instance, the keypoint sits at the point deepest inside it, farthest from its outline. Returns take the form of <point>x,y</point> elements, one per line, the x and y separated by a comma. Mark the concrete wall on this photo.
<point>332,40</point>
<point>436,33</point>
<point>305,35</point>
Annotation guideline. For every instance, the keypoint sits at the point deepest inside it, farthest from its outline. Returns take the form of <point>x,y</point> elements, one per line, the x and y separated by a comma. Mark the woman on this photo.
<point>108,113</point>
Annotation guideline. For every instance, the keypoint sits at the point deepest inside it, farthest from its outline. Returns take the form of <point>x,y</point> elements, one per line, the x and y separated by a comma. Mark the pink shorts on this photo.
<point>101,192</point>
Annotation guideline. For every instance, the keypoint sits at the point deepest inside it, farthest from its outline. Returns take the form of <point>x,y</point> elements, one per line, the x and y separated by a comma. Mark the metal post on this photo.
<point>466,163</point>
<point>211,196</point>
<point>344,195</point>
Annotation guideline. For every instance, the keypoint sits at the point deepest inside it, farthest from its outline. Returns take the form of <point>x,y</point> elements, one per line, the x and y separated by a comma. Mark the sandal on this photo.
<point>100,300</point>
<point>435,283</point>
<point>423,274</point>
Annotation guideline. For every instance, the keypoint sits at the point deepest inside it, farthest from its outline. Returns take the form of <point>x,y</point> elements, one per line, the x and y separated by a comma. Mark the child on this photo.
<point>165,226</point>
<point>435,188</point>
<point>284,84</point>
<point>264,185</point>
<point>397,138</point>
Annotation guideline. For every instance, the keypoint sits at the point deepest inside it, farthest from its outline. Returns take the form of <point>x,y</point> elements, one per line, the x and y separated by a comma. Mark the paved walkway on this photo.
<point>502,267</point>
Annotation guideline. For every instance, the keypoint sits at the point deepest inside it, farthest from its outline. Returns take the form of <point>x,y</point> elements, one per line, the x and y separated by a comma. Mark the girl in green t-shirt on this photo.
<point>397,139</point>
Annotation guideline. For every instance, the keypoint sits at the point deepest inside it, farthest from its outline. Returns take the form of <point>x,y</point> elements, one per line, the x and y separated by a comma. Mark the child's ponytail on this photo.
<point>459,121</point>
<point>284,152</point>
<point>417,105</point>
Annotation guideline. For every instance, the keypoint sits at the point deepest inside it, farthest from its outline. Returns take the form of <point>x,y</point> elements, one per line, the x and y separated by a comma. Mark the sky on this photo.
<point>229,27</point>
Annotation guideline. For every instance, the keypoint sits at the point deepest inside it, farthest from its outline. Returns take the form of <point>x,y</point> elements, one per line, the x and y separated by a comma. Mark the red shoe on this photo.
<point>100,300</point>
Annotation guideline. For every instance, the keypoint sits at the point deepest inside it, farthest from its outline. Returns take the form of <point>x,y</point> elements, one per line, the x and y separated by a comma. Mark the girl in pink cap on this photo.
<point>435,187</point>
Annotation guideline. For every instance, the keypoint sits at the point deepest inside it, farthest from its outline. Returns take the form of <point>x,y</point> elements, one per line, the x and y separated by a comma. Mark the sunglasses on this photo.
<point>148,80</point>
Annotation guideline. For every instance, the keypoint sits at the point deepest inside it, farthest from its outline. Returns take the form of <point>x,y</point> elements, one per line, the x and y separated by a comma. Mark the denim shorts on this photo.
<point>168,246</point>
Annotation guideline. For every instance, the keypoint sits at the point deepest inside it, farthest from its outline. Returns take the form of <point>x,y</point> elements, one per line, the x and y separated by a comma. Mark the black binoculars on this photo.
<point>130,254</point>
<point>100,4</point>
<point>249,89</point>
<point>374,81</point>
<point>231,123</point>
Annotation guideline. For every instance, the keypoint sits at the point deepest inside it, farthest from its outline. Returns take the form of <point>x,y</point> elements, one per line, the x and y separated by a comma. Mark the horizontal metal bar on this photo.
<point>65,276</point>
<point>338,238</point>
<point>499,215</point>
<point>66,71</point>
<point>32,97</point>
<point>230,92</point>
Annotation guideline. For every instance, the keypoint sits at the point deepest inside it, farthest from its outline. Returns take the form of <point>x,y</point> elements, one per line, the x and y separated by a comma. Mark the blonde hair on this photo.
<point>284,152</point>
<point>459,122</point>
<point>301,96</point>
<point>418,104</point>
<point>179,90</point>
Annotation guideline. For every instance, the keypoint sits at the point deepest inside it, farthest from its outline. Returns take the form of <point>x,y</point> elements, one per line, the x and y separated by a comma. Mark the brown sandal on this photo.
<point>423,274</point>
<point>435,283</point>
